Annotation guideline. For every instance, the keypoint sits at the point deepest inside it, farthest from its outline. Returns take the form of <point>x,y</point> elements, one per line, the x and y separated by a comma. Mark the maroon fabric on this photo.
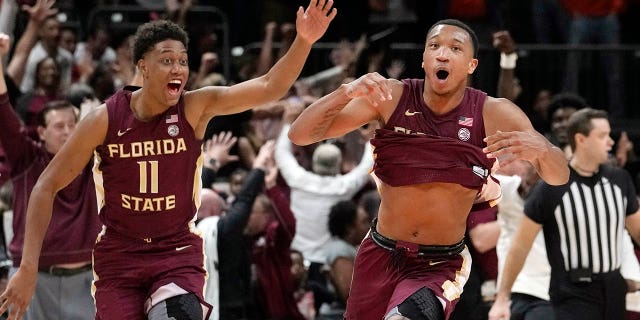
<point>593,8</point>
<point>149,171</point>
<point>418,146</point>
<point>74,223</point>
<point>272,257</point>
<point>5,172</point>
<point>467,9</point>
<point>128,270</point>
<point>147,242</point>
<point>487,261</point>
<point>378,290</point>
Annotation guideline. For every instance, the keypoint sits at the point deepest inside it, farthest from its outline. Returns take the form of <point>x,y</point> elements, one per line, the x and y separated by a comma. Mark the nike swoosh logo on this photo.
<point>433,263</point>
<point>182,248</point>
<point>409,113</point>
<point>120,133</point>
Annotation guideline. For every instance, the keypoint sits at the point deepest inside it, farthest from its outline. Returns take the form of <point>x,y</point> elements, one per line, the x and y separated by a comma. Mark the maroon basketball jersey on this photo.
<point>419,146</point>
<point>147,174</point>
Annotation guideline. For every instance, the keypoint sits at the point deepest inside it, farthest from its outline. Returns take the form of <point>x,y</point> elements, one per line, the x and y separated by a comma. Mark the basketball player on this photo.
<point>434,154</point>
<point>148,260</point>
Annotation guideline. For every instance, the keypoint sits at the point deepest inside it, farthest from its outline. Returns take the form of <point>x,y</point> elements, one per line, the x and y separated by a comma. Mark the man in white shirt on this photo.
<point>313,193</point>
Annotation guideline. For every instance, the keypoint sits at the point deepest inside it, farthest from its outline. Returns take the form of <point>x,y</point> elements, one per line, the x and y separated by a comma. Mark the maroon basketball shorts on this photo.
<point>131,274</point>
<point>387,272</point>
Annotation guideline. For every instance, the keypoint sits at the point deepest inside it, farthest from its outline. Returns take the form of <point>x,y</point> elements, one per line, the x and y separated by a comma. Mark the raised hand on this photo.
<point>292,109</point>
<point>502,41</point>
<point>217,149</point>
<point>265,155</point>
<point>41,10</point>
<point>312,23</point>
<point>372,86</point>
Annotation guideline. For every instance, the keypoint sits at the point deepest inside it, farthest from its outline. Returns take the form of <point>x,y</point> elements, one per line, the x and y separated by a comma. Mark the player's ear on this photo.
<point>142,67</point>
<point>473,64</point>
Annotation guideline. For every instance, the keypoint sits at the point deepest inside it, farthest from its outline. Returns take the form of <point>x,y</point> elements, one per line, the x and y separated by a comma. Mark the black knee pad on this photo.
<point>182,307</point>
<point>422,305</point>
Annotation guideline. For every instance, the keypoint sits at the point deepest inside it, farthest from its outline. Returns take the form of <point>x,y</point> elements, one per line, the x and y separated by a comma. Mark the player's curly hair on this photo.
<point>150,33</point>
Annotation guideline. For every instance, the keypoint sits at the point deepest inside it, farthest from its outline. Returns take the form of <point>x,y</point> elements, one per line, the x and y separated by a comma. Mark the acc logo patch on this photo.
<point>464,134</point>
<point>173,130</point>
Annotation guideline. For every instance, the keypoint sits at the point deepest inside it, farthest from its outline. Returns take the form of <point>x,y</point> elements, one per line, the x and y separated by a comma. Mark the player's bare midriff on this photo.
<point>427,214</point>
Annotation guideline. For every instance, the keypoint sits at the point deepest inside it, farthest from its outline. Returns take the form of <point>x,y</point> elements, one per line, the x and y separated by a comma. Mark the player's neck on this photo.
<point>443,103</point>
<point>144,106</point>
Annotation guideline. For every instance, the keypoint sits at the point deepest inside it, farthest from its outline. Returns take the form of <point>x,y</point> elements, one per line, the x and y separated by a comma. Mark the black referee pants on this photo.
<point>602,298</point>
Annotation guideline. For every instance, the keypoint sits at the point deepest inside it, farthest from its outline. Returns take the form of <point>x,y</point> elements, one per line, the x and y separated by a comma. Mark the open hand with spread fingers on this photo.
<point>510,146</point>
<point>312,23</point>
<point>18,294</point>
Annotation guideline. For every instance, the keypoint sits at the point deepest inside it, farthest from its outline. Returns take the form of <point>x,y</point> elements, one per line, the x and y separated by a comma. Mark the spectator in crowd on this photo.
<point>271,228</point>
<point>228,253</point>
<point>211,204</point>
<point>38,14</point>
<point>123,68</point>
<point>63,289</point>
<point>217,155</point>
<point>314,192</point>
<point>378,57</point>
<point>8,13</point>
<point>303,295</point>
<point>46,89</point>
<point>561,107</point>
<point>48,45</point>
<point>69,39</point>
<point>508,83</point>
<point>348,225</point>
<point>550,21</point>
<point>596,22</point>
<point>370,202</point>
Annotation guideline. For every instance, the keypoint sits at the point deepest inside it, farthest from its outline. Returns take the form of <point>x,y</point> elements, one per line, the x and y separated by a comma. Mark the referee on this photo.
<point>583,223</point>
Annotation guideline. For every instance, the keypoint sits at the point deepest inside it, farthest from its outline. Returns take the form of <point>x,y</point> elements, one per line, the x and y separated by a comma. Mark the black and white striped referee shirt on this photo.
<point>583,221</point>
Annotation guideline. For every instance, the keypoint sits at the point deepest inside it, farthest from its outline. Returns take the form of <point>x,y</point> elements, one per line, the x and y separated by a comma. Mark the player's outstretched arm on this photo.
<point>347,108</point>
<point>311,24</point>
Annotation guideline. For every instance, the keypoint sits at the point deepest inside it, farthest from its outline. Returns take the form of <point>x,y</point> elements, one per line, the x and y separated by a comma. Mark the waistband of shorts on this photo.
<point>110,232</point>
<point>419,249</point>
<point>64,272</point>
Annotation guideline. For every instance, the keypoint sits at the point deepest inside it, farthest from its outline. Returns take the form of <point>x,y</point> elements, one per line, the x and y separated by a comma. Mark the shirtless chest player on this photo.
<point>434,154</point>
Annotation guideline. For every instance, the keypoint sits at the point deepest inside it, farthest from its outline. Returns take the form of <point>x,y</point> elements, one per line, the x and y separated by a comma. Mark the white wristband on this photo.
<point>508,61</point>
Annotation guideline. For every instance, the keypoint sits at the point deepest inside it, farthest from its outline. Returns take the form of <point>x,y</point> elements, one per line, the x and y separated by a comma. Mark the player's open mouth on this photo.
<point>174,86</point>
<point>442,74</point>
